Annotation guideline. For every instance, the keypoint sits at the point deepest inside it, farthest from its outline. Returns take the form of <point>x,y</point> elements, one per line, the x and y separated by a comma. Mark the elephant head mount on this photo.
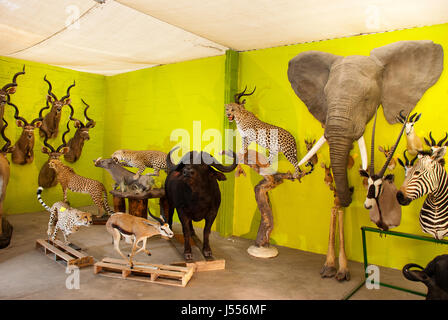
<point>343,93</point>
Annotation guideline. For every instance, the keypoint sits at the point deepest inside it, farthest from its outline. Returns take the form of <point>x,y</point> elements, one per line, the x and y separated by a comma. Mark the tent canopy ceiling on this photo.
<point>123,35</point>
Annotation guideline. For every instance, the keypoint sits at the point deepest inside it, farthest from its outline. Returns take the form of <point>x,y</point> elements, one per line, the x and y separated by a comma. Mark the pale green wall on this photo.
<point>30,97</point>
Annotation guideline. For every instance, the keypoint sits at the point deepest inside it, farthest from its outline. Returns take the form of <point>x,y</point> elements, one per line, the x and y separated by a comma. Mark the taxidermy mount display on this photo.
<point>343,93</point>
<point>6,91</point>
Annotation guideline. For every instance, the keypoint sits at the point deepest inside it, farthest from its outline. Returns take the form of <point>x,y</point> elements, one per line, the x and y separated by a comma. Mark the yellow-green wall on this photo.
<point>302,210</point>
<point>145,106</point>
<point>30,98</point>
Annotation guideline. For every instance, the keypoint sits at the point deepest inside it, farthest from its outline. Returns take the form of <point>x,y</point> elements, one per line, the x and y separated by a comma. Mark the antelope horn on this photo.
<point>46,142</point>
<point>412,117</point>
<point>160,220</point>
<point>90,121</point>
<point>64,143</point>
<point>50,88</point>
<point>14,79</point>
<point>433,142</point>
<point>68,91</point>
<point>313,150</point>
<point>443,140</point>
<point>239,95</point>
<point>372,147</point>
<point>392,150</point>
<point>406,158</point>
<point>40,118</point>
<point>8,142</point>
<point>16,113</point>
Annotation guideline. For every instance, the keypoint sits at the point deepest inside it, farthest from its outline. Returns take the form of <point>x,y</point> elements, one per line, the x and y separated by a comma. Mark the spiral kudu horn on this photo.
<point>2,132</point>
<point>14,79</point>
<point>50,88</point>
<point>90,122</point>
<point>394,147</point>
<point>241,94</point>
<point>68,92</point>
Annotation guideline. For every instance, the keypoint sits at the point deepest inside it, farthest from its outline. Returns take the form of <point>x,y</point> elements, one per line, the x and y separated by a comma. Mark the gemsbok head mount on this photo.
<point>6,91</point>
<point>50,123</point>
<point>76,143</point>
<point>384,209</point>
<point>23,152</point>
<point>47,175</point>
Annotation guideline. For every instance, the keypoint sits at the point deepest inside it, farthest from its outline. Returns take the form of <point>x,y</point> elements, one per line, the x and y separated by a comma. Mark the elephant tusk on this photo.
<point>363,151</point>
<point>313,150</point>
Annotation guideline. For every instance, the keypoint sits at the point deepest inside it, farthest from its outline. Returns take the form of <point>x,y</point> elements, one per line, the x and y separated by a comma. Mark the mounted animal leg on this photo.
<point>117,237</point>
<point>143,247</point>
<point>98,201</point>
<point>329,269</point>
<point>343,273</point>
<point>206,250</point>
<point>64,191</point>
<point>187,236</point>
<point>133,252</point>
<point>155,173</point>
<point>139,172</point>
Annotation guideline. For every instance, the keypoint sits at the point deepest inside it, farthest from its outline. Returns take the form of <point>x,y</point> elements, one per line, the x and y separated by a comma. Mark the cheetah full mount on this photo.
<point>69,180</point>
<point>141,159</point>
<point>64,218</point>
<point>253,129</point>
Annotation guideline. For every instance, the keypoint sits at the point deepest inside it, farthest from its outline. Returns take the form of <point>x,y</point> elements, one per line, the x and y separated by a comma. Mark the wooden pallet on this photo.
<point>63,254</point>
<point>200,263</point>
<point>145,272</point>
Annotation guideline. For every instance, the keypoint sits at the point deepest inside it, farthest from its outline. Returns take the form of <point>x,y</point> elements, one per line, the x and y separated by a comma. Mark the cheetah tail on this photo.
<point>106,204</point>
<point>39,191</point>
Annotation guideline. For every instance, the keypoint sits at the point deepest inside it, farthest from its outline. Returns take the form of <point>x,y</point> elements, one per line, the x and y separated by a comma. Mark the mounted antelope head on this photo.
<point>414,142</point>
<point>47,175</point>
<point>50,123</point>
<point>407,164</point>
<point>387,152</point>
<point>23,152</point>
<point>6,91</point>
<point>438,147</point>
<point>328,176</point>
<point>82,134</point>
<point>309,144</point>
<point>4,169</point>
<point>381,202</point>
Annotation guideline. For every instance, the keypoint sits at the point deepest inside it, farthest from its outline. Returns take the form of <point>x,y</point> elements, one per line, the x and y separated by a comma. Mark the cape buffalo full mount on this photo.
<point>191,188</point>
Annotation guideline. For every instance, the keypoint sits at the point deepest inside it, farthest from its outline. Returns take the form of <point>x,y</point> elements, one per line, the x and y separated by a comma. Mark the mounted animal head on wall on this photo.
<point>23,152</point>
<point>76,143</point>
<point>50,123</point>
<point>406,164</point>
<point>343,92</point>
<point>386,151</point>
<point>438,147</point>
<point>414,142</point>
<point>236,107</point>
<point>384,209</point>
<point>47,175</point>
<point>6,91</point>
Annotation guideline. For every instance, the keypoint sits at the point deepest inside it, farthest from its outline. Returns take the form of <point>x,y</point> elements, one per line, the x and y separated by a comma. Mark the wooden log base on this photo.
<point>144,272</point>
<point>64,254</point>
<point>6,235</point>
<point>263,252</point>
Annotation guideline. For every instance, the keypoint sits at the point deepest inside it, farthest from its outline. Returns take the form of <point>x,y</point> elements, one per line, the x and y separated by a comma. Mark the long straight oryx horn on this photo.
<point>363,152</point>
<point>392,150</point>
<point>313,150</point>
<point>372,147</point>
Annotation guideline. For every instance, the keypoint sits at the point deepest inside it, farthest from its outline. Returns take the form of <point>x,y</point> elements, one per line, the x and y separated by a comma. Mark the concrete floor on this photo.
<point>27,273</point>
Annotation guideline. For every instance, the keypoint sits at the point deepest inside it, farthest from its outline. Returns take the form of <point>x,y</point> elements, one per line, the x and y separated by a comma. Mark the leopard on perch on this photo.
<point>252,129</point>
<point>141,159</point>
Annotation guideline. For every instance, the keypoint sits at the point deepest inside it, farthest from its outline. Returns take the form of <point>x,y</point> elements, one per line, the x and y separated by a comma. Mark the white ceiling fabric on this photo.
<point>124,35</point>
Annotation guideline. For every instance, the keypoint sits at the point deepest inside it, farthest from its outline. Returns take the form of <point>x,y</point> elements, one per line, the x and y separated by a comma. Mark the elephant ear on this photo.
<point>308,74</point>
<point>410,68</point>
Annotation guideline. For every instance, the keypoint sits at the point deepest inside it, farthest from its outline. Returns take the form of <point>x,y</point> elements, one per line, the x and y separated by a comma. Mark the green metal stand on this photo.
<point>392,233</point>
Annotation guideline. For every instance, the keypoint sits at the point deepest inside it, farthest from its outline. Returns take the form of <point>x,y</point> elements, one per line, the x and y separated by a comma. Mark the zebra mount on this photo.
<point>271,179</point>
<point>6,234</point>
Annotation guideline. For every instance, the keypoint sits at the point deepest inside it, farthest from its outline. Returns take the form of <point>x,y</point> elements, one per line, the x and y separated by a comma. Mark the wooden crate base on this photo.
<point>203,265</point>
<point>200,263</point>
<point>145,272</point>
<point>63,254</point>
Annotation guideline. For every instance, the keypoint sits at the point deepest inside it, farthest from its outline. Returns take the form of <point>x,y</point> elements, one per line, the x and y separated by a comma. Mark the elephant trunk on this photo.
<point>339,152</point>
